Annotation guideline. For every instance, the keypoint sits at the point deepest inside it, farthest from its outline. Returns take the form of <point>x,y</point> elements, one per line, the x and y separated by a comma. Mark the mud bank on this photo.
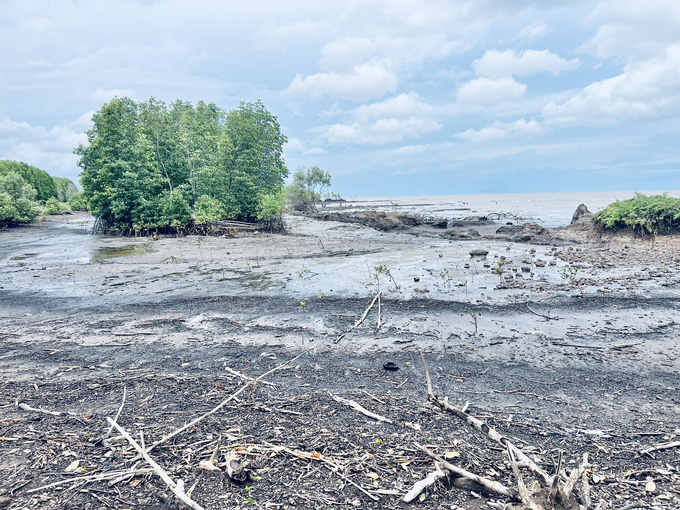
<point>588,364</point>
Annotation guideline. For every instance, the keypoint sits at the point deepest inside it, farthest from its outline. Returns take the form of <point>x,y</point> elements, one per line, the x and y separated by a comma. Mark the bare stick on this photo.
<point>360,320</point>
<point>660,447</point>
<point>359,408</point>
<point>555,485</point>
<point>575,476</point>
<point>99,476</point>
<point>379,323</point>
<point>523,492</point>
<point>174,487</point>
<point>482,427</point>
<point>431,479</point>
<point>224,402</point>
<point>245,377</point>
<point>26,407</point>
<point>585,489</point>
<point>120,410</point>
<point>496,487</point>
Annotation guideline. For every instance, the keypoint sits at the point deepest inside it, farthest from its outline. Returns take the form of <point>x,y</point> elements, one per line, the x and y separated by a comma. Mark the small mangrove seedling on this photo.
<point>446,278</point>
<point>248,265</point>
<point>474,316</point>
<point>568,273</point>
<point>498,268</point>
<point>303,273</point>
<point>302,306</point>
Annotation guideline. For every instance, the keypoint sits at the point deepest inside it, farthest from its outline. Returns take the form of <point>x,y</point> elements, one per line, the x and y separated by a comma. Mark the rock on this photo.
<point>526,269</point>
<point>582,215</point>
<point>390,365</point>
<point>416,279</point>
<point>540,263</point>
<point>529,232</point>
<point>440,223</point>
<point>479,253</point>
<point>461,234</point>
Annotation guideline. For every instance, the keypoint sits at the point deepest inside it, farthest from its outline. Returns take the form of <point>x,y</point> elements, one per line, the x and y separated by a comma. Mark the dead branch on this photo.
<point>120,410</point>
<point>26,407</point>
<point>482,427</point>
<point>246,378</point>
<point>425,482</point>
<point>496,487</point>
<point>99,476</point>
<point>224,402</point>
<point>524,494</point>
<point>359,408</point>
<point>660,447</point>
<point>176,488</point>
<point>359,321</point>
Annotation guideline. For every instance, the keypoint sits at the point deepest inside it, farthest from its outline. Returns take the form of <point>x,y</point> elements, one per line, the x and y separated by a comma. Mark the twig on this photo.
<point>174,487</point>
<point>379,322</point>
<point>574,477</point>
<point>120,410</point>
<point>359,408</point>
<point>26,407</point>
<point>482,427</point>
<point>496,487</point>
<point>523,492</point>
<point>546,317</point>
<point>660,447</point>
<point>425,482</point>
<point>360,320</point>
<point>245,377</point>
<point>224,402</point>
<point>98,476</point>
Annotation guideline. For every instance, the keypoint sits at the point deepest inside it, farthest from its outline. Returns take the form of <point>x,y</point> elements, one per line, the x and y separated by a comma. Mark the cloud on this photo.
<point>403,105</point>
<point>487,92</point>
<point>499,130</point>
<point>632,30</point>
<point>104,96</point>
<point>269,36</point>
<point>296,145</point>
<point>379,132</point>
<point>531,33</point>
<point>500,64</point>
<point>48,149</point>
<point>365,81</point>
<point>645,90</point>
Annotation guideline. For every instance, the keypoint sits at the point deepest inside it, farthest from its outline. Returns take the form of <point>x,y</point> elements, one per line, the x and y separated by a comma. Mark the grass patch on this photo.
<point>644,215</point>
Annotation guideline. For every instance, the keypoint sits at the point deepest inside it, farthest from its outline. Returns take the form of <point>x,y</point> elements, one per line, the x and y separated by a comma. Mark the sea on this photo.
<point>548,209</point>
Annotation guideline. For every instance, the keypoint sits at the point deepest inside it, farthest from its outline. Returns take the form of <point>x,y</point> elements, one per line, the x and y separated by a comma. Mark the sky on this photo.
<point>392,97</point>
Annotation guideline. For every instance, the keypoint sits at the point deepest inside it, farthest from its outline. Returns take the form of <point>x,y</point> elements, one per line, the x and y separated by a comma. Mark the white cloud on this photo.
<point>48,149</point>
<point>531,33</point>
<point>365,81</point>
<point>295,145</point>
<point>631,29</point>
<point>648,89</point>
<point>379,132</point>
<point>487,92</point>
<point>403,105</point>
<point>297,33</point>
<point>499,130</point>
<point>500,64</point>
<point>104,96</point>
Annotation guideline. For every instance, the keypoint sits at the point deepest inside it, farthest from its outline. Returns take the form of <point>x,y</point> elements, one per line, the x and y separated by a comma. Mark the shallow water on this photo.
<point>110,252</point>
<point>549,209</point>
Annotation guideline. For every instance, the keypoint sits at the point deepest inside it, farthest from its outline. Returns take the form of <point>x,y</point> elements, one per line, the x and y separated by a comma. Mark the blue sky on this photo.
<point>393,97</point>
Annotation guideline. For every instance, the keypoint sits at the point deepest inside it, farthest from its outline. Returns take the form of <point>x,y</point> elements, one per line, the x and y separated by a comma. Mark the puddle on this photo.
<point>24,256</point>
<point>110,252</point>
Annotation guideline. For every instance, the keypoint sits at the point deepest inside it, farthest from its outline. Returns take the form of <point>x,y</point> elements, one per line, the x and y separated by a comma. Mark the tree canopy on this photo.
<point>149,165</point>
<point>308,186</point>
<point>42,181</point>
<point>17,200</point>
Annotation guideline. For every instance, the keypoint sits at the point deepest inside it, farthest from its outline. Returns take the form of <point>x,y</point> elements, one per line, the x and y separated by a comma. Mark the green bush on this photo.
<point>77,202</point>
<point>17,200</point>
<point>65,188</point>
<point>644,215</point>
<point>52,206</point>
<point>208,210</point>
<point>270,210</point>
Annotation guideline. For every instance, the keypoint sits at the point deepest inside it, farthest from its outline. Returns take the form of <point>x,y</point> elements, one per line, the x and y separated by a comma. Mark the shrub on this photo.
<point>270,210</point>
<point>77,202</point>
<point>208,210</point>
<point>644,215</point>
<point>52,206</point>
<point>17,200</point>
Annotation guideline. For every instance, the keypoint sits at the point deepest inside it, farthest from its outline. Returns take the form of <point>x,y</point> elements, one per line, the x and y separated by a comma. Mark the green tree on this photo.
<point>17,200</point>
<point>308,186</point>
<point>40,180</point>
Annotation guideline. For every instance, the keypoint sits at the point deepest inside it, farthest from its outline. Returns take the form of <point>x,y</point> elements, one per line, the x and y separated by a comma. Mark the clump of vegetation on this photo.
<point>17,200</point>
<point>569,273</point>
<point>77,202</point>
<point>53,206</point>
<point>149,166</point>
<point>308,187</point>
<point>45,185</point>
<point>644,215</point>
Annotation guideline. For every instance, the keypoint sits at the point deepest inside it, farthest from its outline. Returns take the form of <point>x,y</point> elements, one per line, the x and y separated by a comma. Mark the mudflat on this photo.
<point>562,339</point>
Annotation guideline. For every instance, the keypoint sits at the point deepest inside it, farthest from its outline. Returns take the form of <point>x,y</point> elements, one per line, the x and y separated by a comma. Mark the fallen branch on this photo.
<point>496,487</point>
<point>546,317</point>
<point>174,487</point>
<point>26,407</point>
<point>524,494</point>
<point>120,410</point>
<point>660,447</point>
<point>482,427</point>
<point>245,377</point>
<point>425,482</point>
<point>359,408</point>
<point>223,403</point>
<point>92,478</point>
<point>359,321</point>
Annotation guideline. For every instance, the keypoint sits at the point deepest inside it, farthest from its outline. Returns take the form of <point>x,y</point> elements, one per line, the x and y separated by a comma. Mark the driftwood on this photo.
<point>482,427</point>
<point>176,488</point>
<point>431,479</point>
<point>360,320</point>
<point>660,447</point>
<point>496,487</point>
<point>360,408</point>
<point>26,407</point>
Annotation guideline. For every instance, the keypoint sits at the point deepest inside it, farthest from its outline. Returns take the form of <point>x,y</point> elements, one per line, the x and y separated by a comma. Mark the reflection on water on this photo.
<point>109,252</point>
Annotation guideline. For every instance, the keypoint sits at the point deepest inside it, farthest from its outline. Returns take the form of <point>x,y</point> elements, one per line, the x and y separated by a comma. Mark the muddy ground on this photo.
<point>583,364</point>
